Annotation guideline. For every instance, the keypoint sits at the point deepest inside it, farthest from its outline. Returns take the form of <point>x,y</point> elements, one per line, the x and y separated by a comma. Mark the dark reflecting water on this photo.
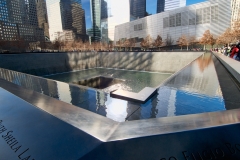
<point>134,81</point>
<point>193,90</point>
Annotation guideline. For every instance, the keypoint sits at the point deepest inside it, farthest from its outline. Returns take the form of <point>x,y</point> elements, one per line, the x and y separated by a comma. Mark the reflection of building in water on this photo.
<point>78,95</point>
<point>191,20</point>
<point>163,104</point>
<point>133,111</point>
<point>101,98</point>
<point>64,92</point>
<point>52,89</point>
<point>198,77</point>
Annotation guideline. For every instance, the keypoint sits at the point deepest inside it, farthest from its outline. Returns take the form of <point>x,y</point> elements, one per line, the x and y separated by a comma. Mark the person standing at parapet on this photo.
<point>234,51</point>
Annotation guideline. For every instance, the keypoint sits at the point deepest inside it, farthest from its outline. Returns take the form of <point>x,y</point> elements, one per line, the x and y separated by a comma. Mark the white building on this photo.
<point>118,13</point>
<point>193,20</point>
<point>235,5</point>
<point>54,18</point>
<point>173,4</point>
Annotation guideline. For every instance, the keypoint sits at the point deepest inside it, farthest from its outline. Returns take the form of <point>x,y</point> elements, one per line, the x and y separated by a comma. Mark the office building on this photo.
<point>191,21</point>
<point>96,20</point>
<point>138,8</point>
<point>173,4</point>
<point>43,17</point>
<point>65,16</point>
<point>18,19</point>
<point>166,5</point>
<point>160,6</point>
<point>235,5</point>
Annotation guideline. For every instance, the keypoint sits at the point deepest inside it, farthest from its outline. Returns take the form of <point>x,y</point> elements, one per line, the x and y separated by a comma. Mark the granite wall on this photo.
<point>51,63</point>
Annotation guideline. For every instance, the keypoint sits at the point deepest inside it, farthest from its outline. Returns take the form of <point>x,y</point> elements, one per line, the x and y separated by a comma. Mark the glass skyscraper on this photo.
<point>95,32</point>
<point>18,19</point>
<point>160,6</point>
<point>138,8</point>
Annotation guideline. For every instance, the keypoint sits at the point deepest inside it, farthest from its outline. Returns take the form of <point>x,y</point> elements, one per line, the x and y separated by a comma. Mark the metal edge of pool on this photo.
<point>232,65</point>
<point>106,129</point>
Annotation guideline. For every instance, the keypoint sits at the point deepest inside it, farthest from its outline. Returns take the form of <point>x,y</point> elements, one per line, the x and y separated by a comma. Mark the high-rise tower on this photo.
<point>138,8</point>
<point>235,5</point>
<point>166,5</point>
<point>96,20</point>
<point>173,4</point>
<point>19,20</point>
<point>160,6</point>
<point>66,16</point>
<point>42,16</point>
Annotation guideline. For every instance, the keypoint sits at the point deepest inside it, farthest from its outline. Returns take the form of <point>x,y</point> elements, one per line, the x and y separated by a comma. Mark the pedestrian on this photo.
<point>234,51</point>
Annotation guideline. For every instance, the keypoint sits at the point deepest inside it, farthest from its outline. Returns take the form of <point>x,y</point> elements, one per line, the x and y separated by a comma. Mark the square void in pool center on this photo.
<point>99,82</point>
<point>133,81</point>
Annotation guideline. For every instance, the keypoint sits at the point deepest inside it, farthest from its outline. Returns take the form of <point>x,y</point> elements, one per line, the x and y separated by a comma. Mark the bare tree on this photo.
<point>226,38</point>
<point>207,38</point>
<point>146,42</point>
<point>191,41</point>
<point>158,42</point>
<point>182,41</point>
<point>127,44</point>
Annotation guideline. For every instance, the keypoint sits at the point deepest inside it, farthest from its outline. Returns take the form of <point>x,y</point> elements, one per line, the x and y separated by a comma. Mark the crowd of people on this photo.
<point>232,51</point>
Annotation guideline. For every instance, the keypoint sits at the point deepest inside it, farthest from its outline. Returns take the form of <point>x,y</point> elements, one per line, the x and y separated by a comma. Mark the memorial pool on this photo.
<point>189,91</point>
<point>193,115</point>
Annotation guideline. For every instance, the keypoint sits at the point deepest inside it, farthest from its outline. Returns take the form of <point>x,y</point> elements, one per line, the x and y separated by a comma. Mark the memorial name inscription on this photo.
<point>216,153</point>
<point>13,143</point>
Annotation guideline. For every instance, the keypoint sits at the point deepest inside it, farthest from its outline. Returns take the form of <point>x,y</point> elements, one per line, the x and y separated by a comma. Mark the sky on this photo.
<point>151,8</point>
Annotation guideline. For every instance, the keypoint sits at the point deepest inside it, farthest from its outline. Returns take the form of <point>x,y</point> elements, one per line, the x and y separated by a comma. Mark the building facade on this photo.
<point>191,21</point>
<point>115,16</point>
<point>160,6</point>
<point>66,15</point>
<point>95,6</point>
<point>235,5</point>
<point>42,17</point>
<point>166,5</point>
<point>173,4</point>
<point>18,19</point>
<point>138,8</point>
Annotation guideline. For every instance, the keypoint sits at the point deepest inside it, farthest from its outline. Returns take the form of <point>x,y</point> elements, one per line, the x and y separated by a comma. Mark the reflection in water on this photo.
<point>135,81</point>
<point>194,90</point>
<point>204,61</point>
